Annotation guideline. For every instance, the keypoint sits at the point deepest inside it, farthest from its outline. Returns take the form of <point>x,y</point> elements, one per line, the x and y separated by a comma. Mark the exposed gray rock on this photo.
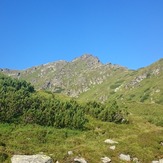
<point>31,159</point>
<point>136,81</point>
<point>125,157</point>
<point>46,85</point>
<point>110,141</point>
<point>157,91</point>
<point>112,147</point>
<point>156,71</point>
<point>105,159</point>
<point>70,153</point>
<point>79,160</point>
<point>161,161</point>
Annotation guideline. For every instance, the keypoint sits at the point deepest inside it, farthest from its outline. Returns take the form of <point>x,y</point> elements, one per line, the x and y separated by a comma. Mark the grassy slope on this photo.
<point>105,90</point>
<point>151,112</point>
<point>146,90</point>
<point>149,90</point>
<point>139,139</point>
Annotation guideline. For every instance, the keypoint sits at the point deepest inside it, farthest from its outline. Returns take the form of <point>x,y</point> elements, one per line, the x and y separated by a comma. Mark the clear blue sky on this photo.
<point>125,32</point>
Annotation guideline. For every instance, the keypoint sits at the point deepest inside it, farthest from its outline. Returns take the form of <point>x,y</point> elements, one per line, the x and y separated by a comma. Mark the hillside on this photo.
<point>33,122</point>
<point>142,85</point>
<point>71,78</point>
<point>86,78</point>
<point>36,121</point>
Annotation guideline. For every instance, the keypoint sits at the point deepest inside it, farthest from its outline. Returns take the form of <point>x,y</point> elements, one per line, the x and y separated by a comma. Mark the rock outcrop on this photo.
<point>160,161</point>
<point>70,152</point>
<point>110,141</point>
<point>31,159</point>
<point>125,157</point>
<point>105,159</point>
<point>112,147</point>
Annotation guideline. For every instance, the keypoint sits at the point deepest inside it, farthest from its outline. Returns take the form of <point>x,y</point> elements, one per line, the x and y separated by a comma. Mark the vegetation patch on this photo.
<point>3,157</point>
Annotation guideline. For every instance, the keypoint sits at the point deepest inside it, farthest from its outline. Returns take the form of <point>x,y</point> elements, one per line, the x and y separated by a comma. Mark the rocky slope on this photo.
<point>71,78</point>
<point>87,78</point>
<point>142,85</point>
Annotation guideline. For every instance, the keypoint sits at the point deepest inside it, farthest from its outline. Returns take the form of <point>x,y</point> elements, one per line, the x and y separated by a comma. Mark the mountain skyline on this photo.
<point>87,78</point>
<point>73,59</point>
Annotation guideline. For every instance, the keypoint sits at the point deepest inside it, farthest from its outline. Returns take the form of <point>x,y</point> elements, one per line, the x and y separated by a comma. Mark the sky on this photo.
<point>124,32</point>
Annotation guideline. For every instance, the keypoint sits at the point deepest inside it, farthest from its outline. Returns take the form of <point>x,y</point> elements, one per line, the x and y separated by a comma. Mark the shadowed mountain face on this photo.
<point>88,79</point>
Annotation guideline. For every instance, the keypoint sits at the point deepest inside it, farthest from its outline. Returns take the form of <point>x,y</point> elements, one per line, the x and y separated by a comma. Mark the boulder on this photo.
<point>79,160</point>
<point>125,157</point>
<point>161,161</point>
<point>112,147</point>
<point>110,141</point>
<point>105,159</point>
<point>31,159</point>
<point>70,153</point>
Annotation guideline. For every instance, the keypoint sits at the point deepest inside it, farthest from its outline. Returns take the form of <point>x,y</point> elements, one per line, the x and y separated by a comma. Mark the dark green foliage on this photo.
<point>160,101</point>
<point>2,144</point>
<point>13,95</point>
<point>19,103</point>
<point>107,112</point>
<point>9,84</point>
<point>58,90</point>
<point>115,85</point>
<point>3,157</point>
<point>144,97</point>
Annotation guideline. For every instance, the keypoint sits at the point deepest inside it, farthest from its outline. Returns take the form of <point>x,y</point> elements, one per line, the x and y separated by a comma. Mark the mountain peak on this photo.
<point>89,58</point>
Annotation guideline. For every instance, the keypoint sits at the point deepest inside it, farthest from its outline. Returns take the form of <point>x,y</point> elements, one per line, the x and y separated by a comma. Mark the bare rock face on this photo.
<point>31,159</point>
<point>136,80</point>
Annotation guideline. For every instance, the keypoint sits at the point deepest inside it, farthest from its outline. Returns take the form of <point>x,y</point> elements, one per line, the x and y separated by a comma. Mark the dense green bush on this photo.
<point>19,103</point>
<point>115,85</point>
<point>144,97</point>
<point>107,112</point>
<point>3,157</point>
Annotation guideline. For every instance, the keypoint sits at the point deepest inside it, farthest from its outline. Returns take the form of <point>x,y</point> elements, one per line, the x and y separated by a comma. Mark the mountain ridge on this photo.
<point>57,76</point>
<point>87,76</point>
